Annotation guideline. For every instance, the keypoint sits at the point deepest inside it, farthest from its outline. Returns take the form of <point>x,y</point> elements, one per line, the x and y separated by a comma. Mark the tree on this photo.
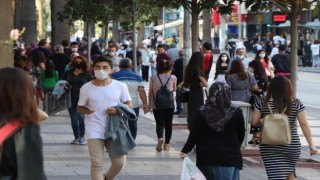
<point>194,7</point>
<point>60,30</point>
<point>292,8</point>
<point>6,21</point>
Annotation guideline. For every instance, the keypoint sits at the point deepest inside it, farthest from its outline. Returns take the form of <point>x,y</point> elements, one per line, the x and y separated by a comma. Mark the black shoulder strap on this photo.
<point>161,81</point>
<point>167,80</point>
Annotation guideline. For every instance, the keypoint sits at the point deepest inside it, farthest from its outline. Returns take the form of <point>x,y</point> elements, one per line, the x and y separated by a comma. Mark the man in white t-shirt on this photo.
<point>96,101</point>
<point>315,54</point>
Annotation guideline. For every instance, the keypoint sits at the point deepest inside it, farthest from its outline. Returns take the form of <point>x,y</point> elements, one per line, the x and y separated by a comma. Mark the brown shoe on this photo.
<point>159,145</point>
<point>166,147</point>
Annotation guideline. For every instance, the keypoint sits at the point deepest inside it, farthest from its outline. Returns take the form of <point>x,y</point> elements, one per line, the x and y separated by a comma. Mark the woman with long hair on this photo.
<point>280,160</point>
<point>21,155</point>
<point>218,133</point>
<point>241,82</point>
<point>194,79</point>
<point>263,57</point>
<point>222,67</point>
<point>163,117</point>
<point>77,76</point>
<point>38,60</point>
<point>256,68</point>
<point>49,77</point>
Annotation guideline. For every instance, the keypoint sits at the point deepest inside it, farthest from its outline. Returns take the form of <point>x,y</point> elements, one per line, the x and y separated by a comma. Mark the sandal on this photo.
<point>166,147</point>
<point>159,145</point>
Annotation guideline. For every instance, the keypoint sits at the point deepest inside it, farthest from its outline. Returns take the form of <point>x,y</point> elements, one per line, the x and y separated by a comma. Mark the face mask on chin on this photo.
<point>240,56</point>
<point>101,74</point>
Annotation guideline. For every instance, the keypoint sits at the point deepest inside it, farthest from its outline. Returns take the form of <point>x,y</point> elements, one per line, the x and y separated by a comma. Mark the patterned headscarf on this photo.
<point>218,109</point>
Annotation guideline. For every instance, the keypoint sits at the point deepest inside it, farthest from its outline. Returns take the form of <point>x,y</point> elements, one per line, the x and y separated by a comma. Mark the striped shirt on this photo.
<point>133,81</point>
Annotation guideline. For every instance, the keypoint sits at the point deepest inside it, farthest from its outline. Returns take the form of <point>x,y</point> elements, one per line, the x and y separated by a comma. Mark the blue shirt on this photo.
<point>133,81</point>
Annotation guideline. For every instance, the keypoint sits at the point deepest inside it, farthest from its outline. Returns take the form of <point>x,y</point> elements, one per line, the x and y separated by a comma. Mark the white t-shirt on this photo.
<point>274,51</point>
<point>146,41</point>
<point>99,99</point>
<point>315,49</point>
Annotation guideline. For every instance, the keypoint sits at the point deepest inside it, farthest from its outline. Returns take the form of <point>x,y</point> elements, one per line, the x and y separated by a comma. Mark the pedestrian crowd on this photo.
<point>107,92</point>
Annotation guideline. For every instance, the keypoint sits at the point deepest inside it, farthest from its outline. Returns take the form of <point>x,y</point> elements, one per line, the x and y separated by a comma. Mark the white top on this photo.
<point>145,56</point>
<point>99,99</point>
<point>315,49</point>
<point>115,63</point>
<point>274,51</point>
<point>146,41</point>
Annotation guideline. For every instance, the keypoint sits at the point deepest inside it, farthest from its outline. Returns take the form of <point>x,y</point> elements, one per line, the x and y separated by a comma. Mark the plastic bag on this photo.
<point>190,171</point>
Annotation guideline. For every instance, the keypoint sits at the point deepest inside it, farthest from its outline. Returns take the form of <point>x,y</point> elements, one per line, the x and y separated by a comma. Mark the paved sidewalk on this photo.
<point>64,161</point>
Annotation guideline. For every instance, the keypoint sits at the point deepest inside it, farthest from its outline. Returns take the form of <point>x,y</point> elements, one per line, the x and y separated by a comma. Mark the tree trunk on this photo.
<point>134,43</point>
<point>29,21</point>
<point>89,31</point>
<point>106,32</point>
<point>294,42</point>
<point>39,5</point>
<point>18,14</point>
<point>6,21</point>
<point>92,29</point>
<point>186,48</point>
<point>115,30</point>
<point>186,37</point>
<point>206,13</point>
<point>194,27</point>
<point>60,30</point>
<point>141,33</point>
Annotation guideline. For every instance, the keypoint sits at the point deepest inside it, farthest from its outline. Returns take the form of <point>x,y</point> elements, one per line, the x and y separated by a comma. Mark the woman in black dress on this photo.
<point>195,80</point>
<point>222,67</point>
<point>262,81</point>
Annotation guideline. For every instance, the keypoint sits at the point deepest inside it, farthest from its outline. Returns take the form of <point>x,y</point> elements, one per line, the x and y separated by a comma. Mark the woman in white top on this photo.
<point>145,58</point>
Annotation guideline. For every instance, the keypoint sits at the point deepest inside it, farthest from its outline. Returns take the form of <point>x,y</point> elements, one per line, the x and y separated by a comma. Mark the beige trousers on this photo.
<point>96,151</point>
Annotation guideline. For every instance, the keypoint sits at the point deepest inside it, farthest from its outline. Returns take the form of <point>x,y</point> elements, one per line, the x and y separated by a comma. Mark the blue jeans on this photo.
<point>77,119</point>
<point>220,172</point>
<point>153,71</point>
<point>133,125</point>
<point>179,106</point>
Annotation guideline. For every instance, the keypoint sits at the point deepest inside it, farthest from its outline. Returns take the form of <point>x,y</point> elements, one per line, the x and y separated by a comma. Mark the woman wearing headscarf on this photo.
<point>218,133</point>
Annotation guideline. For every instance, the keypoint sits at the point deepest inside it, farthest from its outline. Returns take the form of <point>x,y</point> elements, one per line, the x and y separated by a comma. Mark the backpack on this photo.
<point>276,129</point>
<point>164,97</point>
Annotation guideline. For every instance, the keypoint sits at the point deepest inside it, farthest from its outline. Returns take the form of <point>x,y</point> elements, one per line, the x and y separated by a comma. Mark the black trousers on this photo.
<point>164,122</point>
<point>145,73</point>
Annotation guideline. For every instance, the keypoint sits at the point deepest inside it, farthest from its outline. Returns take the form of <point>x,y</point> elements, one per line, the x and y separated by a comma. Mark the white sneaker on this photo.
<point>82,141</point>
<point>76,141</point>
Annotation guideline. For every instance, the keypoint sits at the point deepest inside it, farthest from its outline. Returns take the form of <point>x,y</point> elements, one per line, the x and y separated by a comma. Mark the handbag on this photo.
<point>276,129</point>
<point>182,94</point>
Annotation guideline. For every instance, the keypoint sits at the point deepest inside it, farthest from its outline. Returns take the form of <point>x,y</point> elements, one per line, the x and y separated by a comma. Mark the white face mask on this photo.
<point>262,55</point>
<point>240,56</point>
<point>224,59</point>
<point>74,49</point>
<point>111,53</point>
<point>101,74</point>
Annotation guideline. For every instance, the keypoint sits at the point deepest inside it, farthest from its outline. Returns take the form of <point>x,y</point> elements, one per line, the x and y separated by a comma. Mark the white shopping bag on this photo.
<point>190,171</point>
